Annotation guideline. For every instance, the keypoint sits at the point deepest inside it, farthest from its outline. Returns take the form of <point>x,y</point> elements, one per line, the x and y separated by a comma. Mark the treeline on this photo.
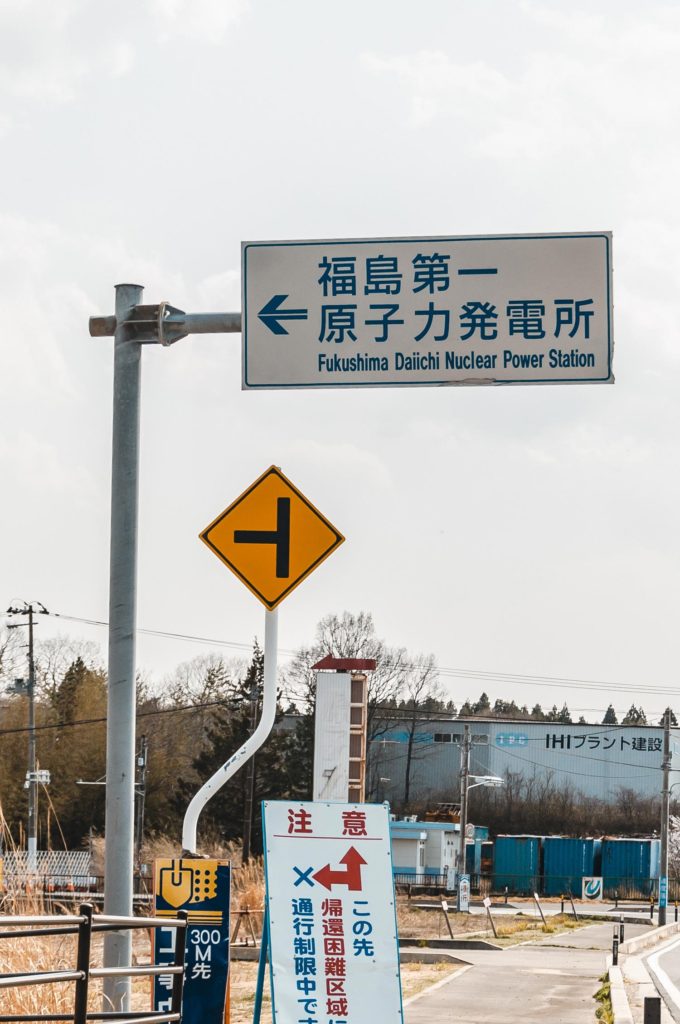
<point>205,710</point>
<point>193,722</point>
<point>483,708</point>
<point>539,805</point>
<point>202,717</point>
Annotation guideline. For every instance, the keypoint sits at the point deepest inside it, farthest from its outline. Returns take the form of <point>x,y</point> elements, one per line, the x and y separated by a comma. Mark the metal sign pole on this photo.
<point>132,325</point>
<point>251,745</point>
<point>120,733</point>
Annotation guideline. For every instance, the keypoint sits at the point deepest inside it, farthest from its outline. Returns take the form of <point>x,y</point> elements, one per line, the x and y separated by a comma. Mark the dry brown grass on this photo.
<point>31,955</point>
<point>528,929</point>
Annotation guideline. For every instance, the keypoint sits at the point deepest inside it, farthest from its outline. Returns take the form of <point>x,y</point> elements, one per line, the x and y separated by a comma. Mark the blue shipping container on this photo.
<point>630,866</point>
<point>517,863</point>
<point>473,857</point>
<point>565,862</point>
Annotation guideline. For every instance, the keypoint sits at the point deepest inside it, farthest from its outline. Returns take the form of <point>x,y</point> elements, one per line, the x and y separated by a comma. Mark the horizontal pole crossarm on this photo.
<point>163,324</point>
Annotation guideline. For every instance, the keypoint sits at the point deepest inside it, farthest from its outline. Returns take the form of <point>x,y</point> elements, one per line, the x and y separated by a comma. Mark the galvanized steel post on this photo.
<point>132,325</point>
<point>464,785</point>
<point>120,729</point>
<point>665,813</point>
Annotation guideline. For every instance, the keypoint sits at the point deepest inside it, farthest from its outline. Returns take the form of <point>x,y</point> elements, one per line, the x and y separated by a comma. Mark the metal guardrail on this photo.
<point>84,925</point>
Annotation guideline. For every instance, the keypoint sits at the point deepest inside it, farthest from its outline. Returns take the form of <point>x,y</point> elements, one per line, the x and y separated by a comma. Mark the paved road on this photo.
<point>553,980</point>
<point>664,967</point>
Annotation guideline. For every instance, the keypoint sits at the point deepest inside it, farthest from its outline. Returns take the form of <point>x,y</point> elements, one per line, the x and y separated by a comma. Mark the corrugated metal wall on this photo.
<point>597,760</point>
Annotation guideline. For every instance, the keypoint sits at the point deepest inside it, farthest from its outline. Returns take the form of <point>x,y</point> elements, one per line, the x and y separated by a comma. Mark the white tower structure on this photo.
<point>340,729</point>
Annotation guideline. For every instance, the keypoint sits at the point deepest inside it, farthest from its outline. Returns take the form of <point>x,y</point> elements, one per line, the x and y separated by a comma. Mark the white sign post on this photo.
<point>330,908</point>
<point>503,309</point>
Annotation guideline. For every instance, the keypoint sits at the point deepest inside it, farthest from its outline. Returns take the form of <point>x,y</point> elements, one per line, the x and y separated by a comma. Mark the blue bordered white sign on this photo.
<point>450,310</point>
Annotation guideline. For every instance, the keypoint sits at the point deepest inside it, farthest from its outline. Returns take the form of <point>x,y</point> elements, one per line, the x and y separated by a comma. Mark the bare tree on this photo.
<point>12,654</point>
<point>421,688</point>
<point>54,656</point>
<point>349,636</point>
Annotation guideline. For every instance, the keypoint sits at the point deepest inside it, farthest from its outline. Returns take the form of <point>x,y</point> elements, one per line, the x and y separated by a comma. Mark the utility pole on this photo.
<point>141,799</point>
<point>132,325</point>
<point>665,813</point>
<point>32,837</point>
<point>32,774</point>
<point>464,783</point>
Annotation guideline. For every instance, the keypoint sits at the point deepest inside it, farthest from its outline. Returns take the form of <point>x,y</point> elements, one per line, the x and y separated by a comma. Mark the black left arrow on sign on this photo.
<point>280,537</point>
<point>272,314</point>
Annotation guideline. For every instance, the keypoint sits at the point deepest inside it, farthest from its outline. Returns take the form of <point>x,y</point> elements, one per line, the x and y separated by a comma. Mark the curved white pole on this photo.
<point>251,745</point>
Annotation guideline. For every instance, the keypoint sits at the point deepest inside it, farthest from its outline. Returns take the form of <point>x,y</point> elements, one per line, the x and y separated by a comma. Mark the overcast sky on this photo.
<point>510,530</point>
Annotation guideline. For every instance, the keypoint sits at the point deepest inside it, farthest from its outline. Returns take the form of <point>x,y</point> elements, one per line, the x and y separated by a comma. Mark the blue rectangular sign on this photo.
<point>202,888</point>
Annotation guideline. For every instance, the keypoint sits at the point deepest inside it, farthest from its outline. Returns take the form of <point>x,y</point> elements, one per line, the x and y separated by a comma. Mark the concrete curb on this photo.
<point>634,971</point>
<point>620,1007</point>
<point>418,956</point>
<point>652,938</point>
<point>437,984</point>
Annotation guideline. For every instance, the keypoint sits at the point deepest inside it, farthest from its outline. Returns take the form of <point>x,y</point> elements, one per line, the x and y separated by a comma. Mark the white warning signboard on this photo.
<point>334,954</point>
<point>447,310</point>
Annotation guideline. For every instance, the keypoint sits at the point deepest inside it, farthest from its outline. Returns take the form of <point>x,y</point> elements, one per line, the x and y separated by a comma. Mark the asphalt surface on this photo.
<point>664,967</point>
<point>552,980</point>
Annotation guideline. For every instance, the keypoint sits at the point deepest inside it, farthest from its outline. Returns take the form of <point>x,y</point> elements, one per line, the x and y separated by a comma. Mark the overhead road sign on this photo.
<point>498,309</point>
<point>272,537</point>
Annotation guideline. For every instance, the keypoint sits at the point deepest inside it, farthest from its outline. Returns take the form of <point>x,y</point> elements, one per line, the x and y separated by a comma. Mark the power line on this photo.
<point>97,721</point>
<point>479,675</point>
<point>168,635</point>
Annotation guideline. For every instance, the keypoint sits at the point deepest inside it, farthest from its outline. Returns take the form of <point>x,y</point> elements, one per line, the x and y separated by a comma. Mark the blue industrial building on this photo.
<point>597,760</point>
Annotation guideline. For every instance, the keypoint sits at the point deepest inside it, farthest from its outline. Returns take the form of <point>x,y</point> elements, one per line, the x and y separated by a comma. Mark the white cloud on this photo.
<point>35,466</point>
<point>366,469</point>
<point>220,292</point>
<point>204,20</point>
<point>49,50</point>
<point>589,82</point>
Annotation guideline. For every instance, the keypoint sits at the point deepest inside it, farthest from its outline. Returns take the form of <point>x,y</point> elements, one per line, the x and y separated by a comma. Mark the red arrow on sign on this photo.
<point>351,876</point>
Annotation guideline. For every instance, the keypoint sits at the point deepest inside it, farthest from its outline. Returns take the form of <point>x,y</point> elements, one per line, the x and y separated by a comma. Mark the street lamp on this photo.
<point>486,780</point>
<point>465,787</point>
<point>494,781</point>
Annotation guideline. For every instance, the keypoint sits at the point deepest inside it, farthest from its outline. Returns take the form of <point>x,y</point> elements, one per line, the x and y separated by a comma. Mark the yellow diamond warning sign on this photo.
<point>272,537</point>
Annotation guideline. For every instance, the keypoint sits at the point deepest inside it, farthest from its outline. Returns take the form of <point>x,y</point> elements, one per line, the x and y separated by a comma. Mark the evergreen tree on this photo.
<point>674,720</point>
<point>610,716</point>
<point>66,695</point>
<point>482,706</point>
<point>634,716</point>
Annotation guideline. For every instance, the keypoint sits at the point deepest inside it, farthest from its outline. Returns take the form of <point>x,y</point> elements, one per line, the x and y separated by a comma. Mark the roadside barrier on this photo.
<point>84,925</point>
